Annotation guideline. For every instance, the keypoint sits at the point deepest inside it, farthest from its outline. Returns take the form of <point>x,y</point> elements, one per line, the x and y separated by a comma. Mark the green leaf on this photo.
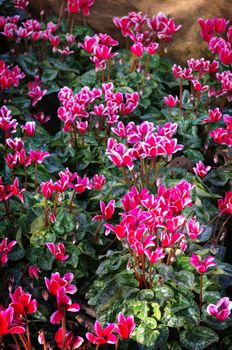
<point>185,279</point>
<point>145,294</point>
<point>156,311</point>
<point>163,293</point>
<point>149,336</point>
<point>49,74</point>
<point>198,338</point>
<point>218,177</point>
<point>165,270</point>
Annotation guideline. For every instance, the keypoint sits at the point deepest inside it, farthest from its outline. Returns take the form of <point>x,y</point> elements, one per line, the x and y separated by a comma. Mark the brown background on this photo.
<point>187,42</point>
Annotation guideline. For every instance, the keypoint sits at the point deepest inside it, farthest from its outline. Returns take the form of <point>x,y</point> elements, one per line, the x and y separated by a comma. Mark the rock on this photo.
<point>186,43</point>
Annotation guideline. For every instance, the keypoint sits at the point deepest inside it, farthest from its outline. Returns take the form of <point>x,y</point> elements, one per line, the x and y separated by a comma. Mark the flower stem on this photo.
<point>64,330</point>
<point>201,291</point>
<point>150,275</point>
<point>71,201</point>
<point>25,176</point>
<point>109,66</point>
<point>61,13</point>
<point>16,342</point>
<point>97,234</point>
<point>28,335</point>
<point>181,93</point>
<point>116,344</point>
<point>36,176</point>
<point>45,211</point>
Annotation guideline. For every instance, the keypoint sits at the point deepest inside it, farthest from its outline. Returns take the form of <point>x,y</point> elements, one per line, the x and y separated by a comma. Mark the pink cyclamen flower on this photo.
<point>221,310</point>
<point>214,116</point>
<point>56,281</point>
<point>171,101</point>
<point>106,210</point>
<point>22,302</point>
<point>202,266</point>
<point>225,205</point>
<point>72,342</point>
<point>34,272</point>
<point>29,128</point>
<point>64,303</point>
<point>5,249</point>
<point>58,251</point>
<point>193,228</point>
<point>154,256</point>
<point>47,188</point>
<point>103,336</point>
<point>125,326</point>
<point>7,323</point>
<point>201,170</point>
<point>98,181</point>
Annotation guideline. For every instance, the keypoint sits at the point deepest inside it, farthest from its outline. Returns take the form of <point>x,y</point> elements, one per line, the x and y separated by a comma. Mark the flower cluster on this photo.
<point>222,136</point>
<point>10,190</point>
<point>150,223</point>
<point>217,45</point>
<point>9,76</point>
<point>124,328</point>
<point>34,90</point>
<point>147,141</point>
<point>21,4</point>
<point>100,48</point>
<point>74,6</point>
<point>145,31</point>
<point>82,107</point>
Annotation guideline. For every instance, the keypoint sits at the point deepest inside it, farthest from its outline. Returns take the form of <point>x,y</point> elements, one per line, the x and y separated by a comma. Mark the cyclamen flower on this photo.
<point>29,128</point>
<point>98,181</point>
<point>125,326</point>
<point>5,249</point>
<point>155,255</point>
<point>214,116</point>
<point>58,251</point>
<point>106,210</point>
<point>22,302</point>
<point>34,272</point>
<point>201,170</point>
<point>193,228</point>
<point>7,323</point>
<point>64,304</point>
<point>225,205</point>
<point>171,101</point>
<point>56,281</point>
<point>202,266</point>
<point>221,310</point>
<point>103,336</point>
<point>72,342</point>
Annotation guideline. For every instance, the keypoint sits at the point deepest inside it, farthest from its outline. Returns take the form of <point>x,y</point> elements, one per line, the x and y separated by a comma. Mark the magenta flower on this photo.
<point>8,324</point>
<point>221,310</point>
<point>14,190</point>
<point>171,101</point>
<point>193,228</point>
<point>5,250</point>
<point>29,128</point>
<point>64,304</point>
<point>202,266</point>
<point>34,272</point>
<point>125,326</point>
<point>58,251</point>
<point>98,181</point>
<point>106,210</point>
<point>72,342</point>
<point>200,169</point>
<point>103,336</point>
<point>225,205</point>
<point>56,282</point>
<point>47,188</point>
<point>22,302</point>
<point>214,116</point>
<point>155,256</point>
